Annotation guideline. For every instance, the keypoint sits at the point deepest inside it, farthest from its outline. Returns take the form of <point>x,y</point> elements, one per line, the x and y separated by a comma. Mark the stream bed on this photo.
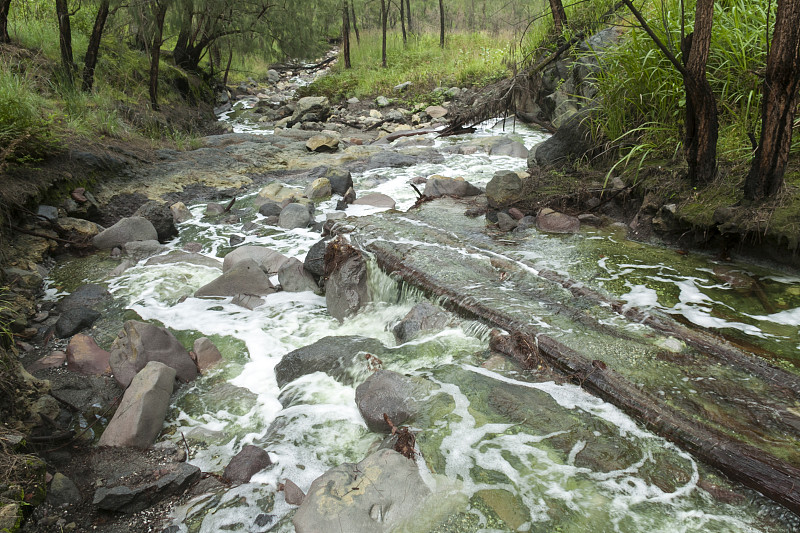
<point>501,449</point>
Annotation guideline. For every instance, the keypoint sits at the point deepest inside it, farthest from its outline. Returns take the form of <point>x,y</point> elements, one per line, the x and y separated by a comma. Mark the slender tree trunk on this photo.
<point>65,37</point>
<point>559,15</point>
<point>346,34</point>
<point>408,15</point>
<point>355,26</point>
<point>384,17</point>
<point>441,23</point>
<point>155,52</point>
<point>403,21</point>
<point>227,67</point>
<point>778,105</point>
<point>5,6</point>
<point>93,50</point>
<point>702,123</point>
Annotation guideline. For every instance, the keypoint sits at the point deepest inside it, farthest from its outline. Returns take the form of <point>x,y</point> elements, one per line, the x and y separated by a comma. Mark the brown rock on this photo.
<point>85,357</point>
<point>554,222</point>
<point>207,353</point>
<point>79,195</point>
<point>516,213</point>
<point>245,464</point>
<point>292,493</point>
<point>54,360</point>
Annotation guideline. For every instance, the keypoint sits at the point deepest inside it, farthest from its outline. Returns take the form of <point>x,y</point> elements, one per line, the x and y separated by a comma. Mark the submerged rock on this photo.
<point>376,199</point>
<point>442,186</point>
<point>332,355</point>
<point>245,464</point>
<point>422,317</point>
<point>245,277</point>
<point>385,392</point>
<point>269,260</point>
<point>375,495</point>
<point>126,230</point>
<point>554,222</point>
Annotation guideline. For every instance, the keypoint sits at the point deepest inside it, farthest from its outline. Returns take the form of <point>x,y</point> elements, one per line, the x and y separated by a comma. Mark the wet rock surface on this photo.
<point>332,355</point>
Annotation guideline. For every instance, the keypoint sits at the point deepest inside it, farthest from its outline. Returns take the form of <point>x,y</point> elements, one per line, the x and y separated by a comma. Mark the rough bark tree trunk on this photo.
<point>5,6</point>
<point>355,25</point>
<point>559,15</point>
<point>441,23</point>
<point>155,52</point>
<point>408,15</point>
<point>346,34</point>
<point>93,50</point>
<point>384,17</point>
<point>65,38</point>
<point>403,21</point>
<point>702,123</point>
<point>778,105</point>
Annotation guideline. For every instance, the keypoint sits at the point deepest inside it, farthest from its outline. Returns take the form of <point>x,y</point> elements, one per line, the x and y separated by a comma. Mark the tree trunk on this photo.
<point>93,50</point>
<point>355,26</point>
<point>778,105</point>
<point>384,17</point>
<point>559,16</point>
<point>155,52</point>
<point>5,5</point>
<point>65,38</point>
<point>702,124</point>
<point>228,66</point>
<point>408,15</point>
<point>403,21</point>
<point>441,23</point>
<point>346,34</point>
<point>181,51</point>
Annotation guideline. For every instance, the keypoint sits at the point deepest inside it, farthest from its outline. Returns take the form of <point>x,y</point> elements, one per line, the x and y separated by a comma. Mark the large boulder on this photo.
<point>160,215</point>
<point>346,289</point>
<point>245,277</point>
<point>554,222</point>
<point>376,199</point>
<point>294,216</point>
<point>250,460</point>
<point>84,356</point>
<point>503,189</point>
<point>311,109</point>
<point>74,319</point>
<point>126,230</point>
<point>373,496</point>
<point>339,178</point>
<point>443,186</point>
<point>270,261</point>
<point>385,392</point>
<point>422,317</point>
<point>332,355</point>
<point>141,413</point>
<point>510,148</point>
<point>315,258</point>
<point>139,343</point>
<point>571,142</point>
<point>318,189</point>
<point>293,277</point>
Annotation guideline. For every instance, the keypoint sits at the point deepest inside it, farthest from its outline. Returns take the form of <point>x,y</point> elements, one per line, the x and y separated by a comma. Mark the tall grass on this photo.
<point>643,95</point>
<point>26,125</point>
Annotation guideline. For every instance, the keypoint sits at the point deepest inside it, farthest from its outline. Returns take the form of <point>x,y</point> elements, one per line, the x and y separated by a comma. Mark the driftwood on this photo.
<point>742,462</point>
<point>283,67</point>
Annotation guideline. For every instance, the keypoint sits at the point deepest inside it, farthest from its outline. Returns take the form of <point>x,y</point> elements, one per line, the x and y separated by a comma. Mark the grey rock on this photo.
<point>382,101</point>
<point>292,493</point>
<point>75,319</point>
<point>511,149</point>
<point>134,498</point>
<point>505,222</point>
<point>49,212</point>
<point>248,301</point>
<point>353,101</point>
<point>273,76</point>
<point>293,277</point>
<point>571,142</point>
<point>503,189</point>
<point>315,258</point>
<point>340,179</point>
<point>385,392</point>
<point>391,160</point>
<point>139,343</point>
<point>141,413</point>
<point>214,209</point>
<point>402,87</point>
<point>315,108</point>
<point>139,250</point>
<point>346,289</point>
<point>422,317</point>
<point>245,277</point>
<point>332,355</point>
<point>294,216</point>
<point>390,492</point>
<point>160,215</point>
<point>323,143</point>
<point>63,491</point>
<point>442,186</point>
<point>376,199</point>
<point>435,111</point>
<point>249,461</point>
<point>269,209</point>
<point>126,230</point>
<point>179,256</point>
<point>270,261</point>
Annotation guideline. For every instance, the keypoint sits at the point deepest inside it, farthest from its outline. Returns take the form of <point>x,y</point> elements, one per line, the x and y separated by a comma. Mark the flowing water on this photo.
<point>500,449</point>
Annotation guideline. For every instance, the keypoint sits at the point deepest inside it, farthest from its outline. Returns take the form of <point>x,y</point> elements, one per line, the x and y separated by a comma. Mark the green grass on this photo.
<point>467,60</point>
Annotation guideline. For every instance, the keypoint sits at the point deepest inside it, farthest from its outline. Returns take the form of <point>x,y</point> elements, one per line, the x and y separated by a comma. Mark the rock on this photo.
<point>340,179</point>
<point>323,143</point>
<point>180,256</point>
<point>505,222</point>
<point>180,213</point>
<point>442,186</point>
<point>273,76</point>
<point>10,517</point>
<point>402,87</point>
<point>571,142</point>
<point>422,317</point>
<point>516,214</point>
<point>249,461</point>
<point>90,295</point>
<point>391,160</point>
<point>55,360</point>
<point>353,101</point>
<point>75,319</point>
<point>553,222</point>
<point>235,240</point>
<point>349,196</point>
<point>269,209</point>
<point>270,261</point>
<point>139,343</point>
<point>139,250</point>
<point>248,301</point>
<point>318,189</point>
<point>141,413</point>
<point>85,357</point>
<point>207,353</point>
<point>79,228</point>
<point>503,189</point>
<point>435,111</point>
<point>382,101</point>
<point>63,491</point>
<point>294,216</point>
<point>315,108</point>
<point>525,222</point>
<point>126,230</point>
<point>510,148</point>
<point>385,392</point>
<point>315,258</point>
<point>332,355</point>
<point>591,219</point>
<point>161,217</point>
<point>292,493</point>
<point>245,277</point>
<point>293,277</point>
<point>377,115</point>
<point>213,209</point>
<point>171,480</point>
<point>48,212</point>
<point>389,492</point>
<point>376,199</point>
<point>346,289</point>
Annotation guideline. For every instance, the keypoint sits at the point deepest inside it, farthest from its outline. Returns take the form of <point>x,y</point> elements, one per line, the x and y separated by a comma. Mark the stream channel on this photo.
<point>501,448</point>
